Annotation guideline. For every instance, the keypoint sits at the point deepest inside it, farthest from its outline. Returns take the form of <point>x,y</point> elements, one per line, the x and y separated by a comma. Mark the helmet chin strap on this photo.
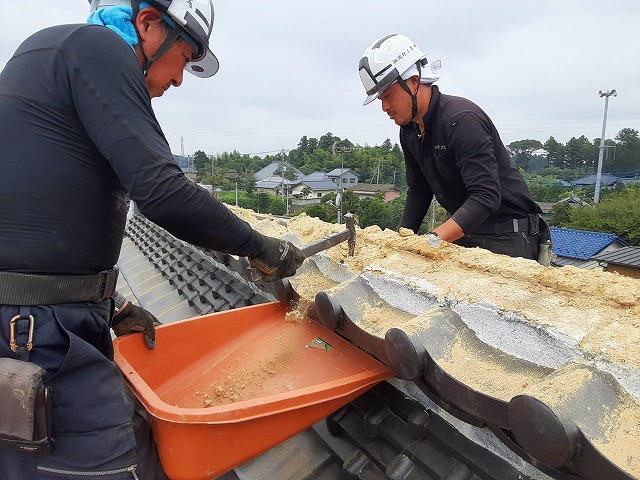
<point>166,44</point>
<point>414,96</point>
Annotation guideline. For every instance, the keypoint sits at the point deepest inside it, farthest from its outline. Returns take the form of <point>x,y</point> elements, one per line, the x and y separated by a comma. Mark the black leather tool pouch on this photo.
<point>25,416</point>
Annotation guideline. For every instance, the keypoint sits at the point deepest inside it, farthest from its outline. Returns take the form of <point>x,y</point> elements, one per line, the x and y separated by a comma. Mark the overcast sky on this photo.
<point>288,68</point>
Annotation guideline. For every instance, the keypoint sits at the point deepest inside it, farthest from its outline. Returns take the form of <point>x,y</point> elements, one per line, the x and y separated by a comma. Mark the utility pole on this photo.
<point>283,173</point>
<point>182,151</point>
<point>378,169</point>
<point>606,95</point>
<point>340,192</point>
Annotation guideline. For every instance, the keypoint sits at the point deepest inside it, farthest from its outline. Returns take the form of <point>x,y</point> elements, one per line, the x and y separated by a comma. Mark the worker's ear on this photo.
<point>147,21</point>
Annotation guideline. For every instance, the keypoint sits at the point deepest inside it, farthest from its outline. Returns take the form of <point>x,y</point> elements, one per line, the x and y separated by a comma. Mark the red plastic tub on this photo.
<point>225,387</point>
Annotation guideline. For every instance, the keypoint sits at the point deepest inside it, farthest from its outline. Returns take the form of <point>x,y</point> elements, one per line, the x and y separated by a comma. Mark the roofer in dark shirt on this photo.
<point>78,137</point>
<point>452,150</point>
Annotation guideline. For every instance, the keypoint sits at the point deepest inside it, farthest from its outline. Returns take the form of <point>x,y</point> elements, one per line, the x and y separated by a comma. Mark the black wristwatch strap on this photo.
<point>119,301</point>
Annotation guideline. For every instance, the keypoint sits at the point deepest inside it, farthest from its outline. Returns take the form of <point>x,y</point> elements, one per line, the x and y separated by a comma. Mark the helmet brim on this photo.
<point>371,98</point>
<point>206,67</point>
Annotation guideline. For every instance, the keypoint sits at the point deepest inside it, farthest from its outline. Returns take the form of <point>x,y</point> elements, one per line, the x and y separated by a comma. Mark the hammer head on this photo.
<point>351,226</point>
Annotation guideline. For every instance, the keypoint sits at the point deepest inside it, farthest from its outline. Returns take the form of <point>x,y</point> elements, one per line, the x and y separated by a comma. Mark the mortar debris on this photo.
<point>598,310</point>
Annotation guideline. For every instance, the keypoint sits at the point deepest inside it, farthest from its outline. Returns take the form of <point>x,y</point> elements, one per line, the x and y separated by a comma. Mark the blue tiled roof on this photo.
<point>314,177</point>
<point>269,170</point>
<point>605,179</point>
<point>580,244</point>
<point>324,185</point>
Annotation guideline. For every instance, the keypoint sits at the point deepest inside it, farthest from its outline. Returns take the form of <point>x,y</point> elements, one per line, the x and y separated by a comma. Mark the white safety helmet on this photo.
<point>385,60</point>
<point>194,17</point>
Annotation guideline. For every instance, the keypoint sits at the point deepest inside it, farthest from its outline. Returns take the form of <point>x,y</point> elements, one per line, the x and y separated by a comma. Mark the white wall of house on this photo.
<point>303,191</point>
<point>348,179</point>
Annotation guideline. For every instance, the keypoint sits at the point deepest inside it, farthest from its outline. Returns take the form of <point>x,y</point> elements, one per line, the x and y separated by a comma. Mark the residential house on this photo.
<point>606,180</point>
<point>369,190</point>
<point>231,175</point>
<point>625,261</point>
<point>311,189</point>
<point>275,184</point>
<point>577,247</point>
<point>186,165</point>
<point>348,176</point>
<point>572,200</point>
<point>630,180</point>
<point>268,181</point>
<point>269,171</point>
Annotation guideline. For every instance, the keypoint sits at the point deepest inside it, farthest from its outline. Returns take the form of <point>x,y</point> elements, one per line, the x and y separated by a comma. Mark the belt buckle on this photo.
<point>108,282</point>
<point>12,329</point>
<point>534,224</point>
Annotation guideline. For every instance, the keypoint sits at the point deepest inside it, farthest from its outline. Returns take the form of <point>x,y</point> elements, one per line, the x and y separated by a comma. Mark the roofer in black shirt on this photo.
<point>78,137</point>
<point>452,150</point>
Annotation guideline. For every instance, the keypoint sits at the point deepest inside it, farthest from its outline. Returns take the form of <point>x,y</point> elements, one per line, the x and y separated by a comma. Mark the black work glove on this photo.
<point>277,259</point>
<point>132,319</point>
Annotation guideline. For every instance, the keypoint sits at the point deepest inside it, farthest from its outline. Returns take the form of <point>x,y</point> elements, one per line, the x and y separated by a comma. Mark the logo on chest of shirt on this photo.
<point>440,149</point>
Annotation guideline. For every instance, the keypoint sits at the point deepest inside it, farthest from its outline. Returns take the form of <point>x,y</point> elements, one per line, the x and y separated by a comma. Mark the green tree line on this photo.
<point>545,166</point>
<point>579,156</point>
<point>385,163</point>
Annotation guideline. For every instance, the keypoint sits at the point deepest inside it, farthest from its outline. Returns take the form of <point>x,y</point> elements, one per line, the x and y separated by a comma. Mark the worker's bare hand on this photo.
<point>132,319</point>
<point>278,259</point>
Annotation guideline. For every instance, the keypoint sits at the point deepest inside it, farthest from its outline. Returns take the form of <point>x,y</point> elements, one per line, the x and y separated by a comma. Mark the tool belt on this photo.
<point>28,289</point>
<point>529,224</point>
<point>25,416</point>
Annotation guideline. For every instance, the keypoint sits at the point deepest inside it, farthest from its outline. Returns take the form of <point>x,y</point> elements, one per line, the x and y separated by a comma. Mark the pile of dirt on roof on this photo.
<point>599,310</point>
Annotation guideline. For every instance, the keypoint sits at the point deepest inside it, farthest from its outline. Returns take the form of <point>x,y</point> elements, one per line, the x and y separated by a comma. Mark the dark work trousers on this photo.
<point>518,244</point>
<point>92,414</point>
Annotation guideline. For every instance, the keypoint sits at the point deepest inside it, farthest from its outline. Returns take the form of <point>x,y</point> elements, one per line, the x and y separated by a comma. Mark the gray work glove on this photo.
<point>277,259</point>
<point>132,319</point>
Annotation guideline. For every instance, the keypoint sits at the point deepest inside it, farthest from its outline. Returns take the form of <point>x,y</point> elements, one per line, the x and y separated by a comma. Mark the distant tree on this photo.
<point>555,153</point>
<point>395,209</point>
<point>305,191</point>
<point>276,205</point>
<point>537,163</point>
<point>201,162</point>
<point>429,223</point>
<point>327,140</point>
<point>286,171</point>
<point>323,212</point>
<point>247,182</point>
<point>216,180</point>
<point>618,213</point>
<point>244,200</point>
<point>522,150</point>
<point>545,188</point>
<point>313,144</point>
<point>386,145</point>
<point>560,215</point>
<point>375,212</point>
<point>626,157</point>
<point>350,202</point>
<point>581,154</point>
<point>303,145</point>
<point>263,202</point>
<point>559,173</point>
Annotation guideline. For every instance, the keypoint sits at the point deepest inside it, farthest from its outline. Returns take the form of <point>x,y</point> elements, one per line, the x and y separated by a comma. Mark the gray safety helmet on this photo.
<point>194,17</point>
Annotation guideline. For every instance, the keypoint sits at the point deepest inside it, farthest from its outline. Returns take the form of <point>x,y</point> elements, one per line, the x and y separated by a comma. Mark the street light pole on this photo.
<point>606,95</point>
